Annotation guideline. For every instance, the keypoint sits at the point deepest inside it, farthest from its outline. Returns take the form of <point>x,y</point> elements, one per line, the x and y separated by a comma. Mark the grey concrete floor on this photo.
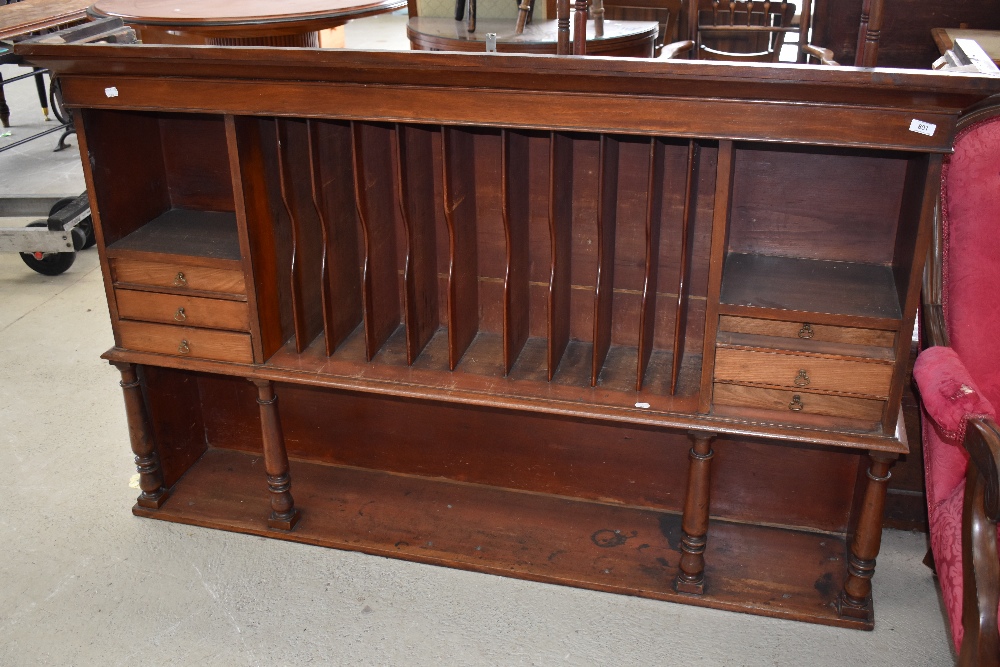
<point>83,582</point>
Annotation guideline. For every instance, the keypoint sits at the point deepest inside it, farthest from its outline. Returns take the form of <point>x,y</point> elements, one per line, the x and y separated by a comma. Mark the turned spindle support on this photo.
<point>580,28</point>
<point>284,516</point>
<point>856,598</point>
<point>691,576</point>
<point>562,28</point>
<point>597,12</point>
<point>147,460</point>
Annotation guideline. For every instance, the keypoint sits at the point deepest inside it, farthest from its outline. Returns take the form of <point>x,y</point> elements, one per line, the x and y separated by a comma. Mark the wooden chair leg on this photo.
<point>147,461</point>
<point>856,598</point>
<point>694,524</point>
<point>980,578</point>
<point>284,516</point>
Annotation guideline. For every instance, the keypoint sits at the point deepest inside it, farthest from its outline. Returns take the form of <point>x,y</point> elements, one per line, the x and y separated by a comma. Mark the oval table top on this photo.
<point>246,17</point>
<point>621,38</point>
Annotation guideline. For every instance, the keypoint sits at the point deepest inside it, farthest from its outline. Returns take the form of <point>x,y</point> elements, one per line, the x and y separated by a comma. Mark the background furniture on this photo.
<point>243,22</point>
<point>521,315</point>
<point>749,31</point>
<point>989,40</point>
<point>959,380</point>
<point>634,39</point>
<point>905,36</point>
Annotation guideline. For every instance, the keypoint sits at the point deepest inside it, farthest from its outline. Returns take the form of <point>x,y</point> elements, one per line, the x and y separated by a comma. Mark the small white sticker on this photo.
<point>922,127</point>
<point>113,92</point>
<point>642,405</point>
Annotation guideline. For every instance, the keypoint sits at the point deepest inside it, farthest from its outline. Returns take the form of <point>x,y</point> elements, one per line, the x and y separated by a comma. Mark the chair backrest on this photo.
<point>665,12</point>
<point>751,30</point>
<point>970,250</point>
<point>485,9</point>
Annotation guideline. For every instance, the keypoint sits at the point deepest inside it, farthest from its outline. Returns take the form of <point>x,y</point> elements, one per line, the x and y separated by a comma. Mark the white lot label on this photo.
<point>113,92</point>
<point>922,127</point>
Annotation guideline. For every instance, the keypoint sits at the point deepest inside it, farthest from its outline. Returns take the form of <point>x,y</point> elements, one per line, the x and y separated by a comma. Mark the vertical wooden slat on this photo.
<point>720,231</point>
<point>374,191</point>
<point>415,183</point>
<point>607,207</point>
<point>680,318</point>
<point>654,209</point>
<point>332,195</point>
<point>256,251</point>
<point>561,239</point>
<point>307,251</point>
<point>514,183</point>
<point>460,215</point>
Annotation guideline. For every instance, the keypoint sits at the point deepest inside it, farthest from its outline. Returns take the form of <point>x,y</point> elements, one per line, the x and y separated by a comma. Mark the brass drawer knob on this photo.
<point>180,280</point>
<point>802,379</point>
<point>806,331</point>
<point>184,348</point>
<point>796,404</point>
<point>180,315</point>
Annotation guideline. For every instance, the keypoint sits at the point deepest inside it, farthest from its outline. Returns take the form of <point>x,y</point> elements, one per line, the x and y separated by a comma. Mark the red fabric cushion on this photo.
<point>970,196</point>
<point>952,390</point>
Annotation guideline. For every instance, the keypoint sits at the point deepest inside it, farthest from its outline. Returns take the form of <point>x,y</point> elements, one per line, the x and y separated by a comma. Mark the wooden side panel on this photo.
<point>607,207</point>
<point>177,418</point>
<point>374,190</point>
<point>130,186</point>
<point>415,182</point>
<point>460,214</point>
<point>516,213</point>
<point>561,237</point>
<point>264,251</point>
<point>307,233</point>
<point>196,162</point>
<point>332,173</point>
<point>720,232</point>
<point>647,314</point>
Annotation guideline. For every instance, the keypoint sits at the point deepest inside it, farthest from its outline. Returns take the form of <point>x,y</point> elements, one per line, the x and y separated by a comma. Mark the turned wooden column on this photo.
<point>580,28</point>
<point>284,516</point>
<point>147,461</point>
<point>691,577</point>
<point>855,599</point>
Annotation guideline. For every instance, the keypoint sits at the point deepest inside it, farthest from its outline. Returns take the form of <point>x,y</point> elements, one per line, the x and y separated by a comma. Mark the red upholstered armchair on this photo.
<point>959,382</point>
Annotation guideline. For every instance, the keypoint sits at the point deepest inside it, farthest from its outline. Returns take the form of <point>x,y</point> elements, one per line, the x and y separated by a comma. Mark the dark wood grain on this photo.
<point>459,212</point>
<point>331,168</point>
<point>516,216</point>
<point>374,195</point>
<point>681,311</point>
<point>185,232</point>
<point>560,246</point>
<point>654,210</point>
<point>607,207</point>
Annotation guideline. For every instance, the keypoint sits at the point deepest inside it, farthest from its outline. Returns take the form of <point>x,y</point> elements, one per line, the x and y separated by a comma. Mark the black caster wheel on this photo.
<point>54,263</point>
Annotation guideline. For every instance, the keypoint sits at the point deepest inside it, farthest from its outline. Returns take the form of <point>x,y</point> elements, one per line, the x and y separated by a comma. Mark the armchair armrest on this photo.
<point>980,564</point>
<point>824,56</point>
<point>675,49</point>
<point>948,393</point>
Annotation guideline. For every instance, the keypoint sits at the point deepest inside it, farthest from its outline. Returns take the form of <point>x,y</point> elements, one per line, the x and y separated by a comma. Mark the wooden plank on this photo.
<point>516,214</point>
<point>332,173</point>
<point>560,245</point>
<point>460,213</point>
<point>654,211</point>
<point>415,182</point>
<point>206,234</point>
<point>374,193</point>
<point>607,207</point>
<point>680,312</point>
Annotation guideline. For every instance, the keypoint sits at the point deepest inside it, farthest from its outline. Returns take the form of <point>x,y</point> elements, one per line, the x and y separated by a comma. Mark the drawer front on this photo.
<point>805,330</point>
<point>186,341</point>
<point>802,372</point>
<point>183,310</point>
<point>178,276</point>
<point>780,400</point>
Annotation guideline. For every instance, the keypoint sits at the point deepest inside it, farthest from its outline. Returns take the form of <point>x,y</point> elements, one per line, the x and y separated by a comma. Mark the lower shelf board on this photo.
<point>755,569</point>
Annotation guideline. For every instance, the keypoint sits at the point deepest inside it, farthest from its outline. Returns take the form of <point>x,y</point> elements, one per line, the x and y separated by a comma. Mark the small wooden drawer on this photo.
<point>183,310</point>
<point>807,331</point>
<point>803,372</point>
<point>186,341</point>
<point>796,402</point>
<point>178,276</point>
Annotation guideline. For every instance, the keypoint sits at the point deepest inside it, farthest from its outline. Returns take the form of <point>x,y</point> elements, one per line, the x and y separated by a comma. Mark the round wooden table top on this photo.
<point>621,38</point>
<point>254,20</point>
